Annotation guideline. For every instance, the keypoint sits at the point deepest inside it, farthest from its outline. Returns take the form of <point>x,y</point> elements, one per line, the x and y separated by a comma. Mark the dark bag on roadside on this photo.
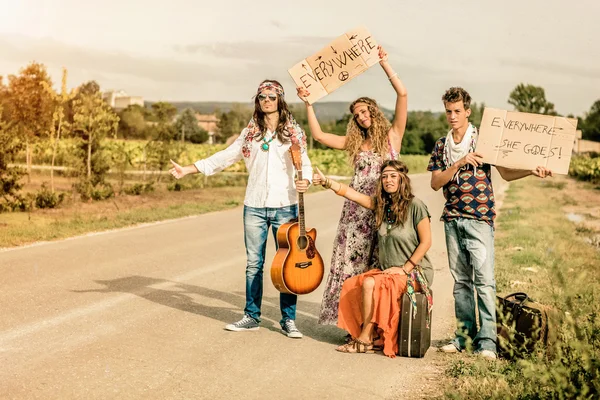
<point>414,334</point>
<point>522,324</point>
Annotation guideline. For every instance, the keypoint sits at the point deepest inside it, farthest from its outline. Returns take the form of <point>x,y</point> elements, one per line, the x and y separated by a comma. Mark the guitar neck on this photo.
<point>301,208</point>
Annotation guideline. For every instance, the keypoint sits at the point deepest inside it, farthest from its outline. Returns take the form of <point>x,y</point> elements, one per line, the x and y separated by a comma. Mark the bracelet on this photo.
<point>395,74</point>
<point>413,264</point>
<point>405,273</point>
<point>327,184</point>
<point>342,190</point>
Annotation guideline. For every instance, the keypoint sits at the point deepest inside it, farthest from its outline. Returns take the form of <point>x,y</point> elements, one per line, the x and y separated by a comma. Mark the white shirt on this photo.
<point>271,173</point>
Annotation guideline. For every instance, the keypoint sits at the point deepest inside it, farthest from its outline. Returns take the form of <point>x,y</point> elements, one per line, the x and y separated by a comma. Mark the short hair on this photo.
<point>456,94</point>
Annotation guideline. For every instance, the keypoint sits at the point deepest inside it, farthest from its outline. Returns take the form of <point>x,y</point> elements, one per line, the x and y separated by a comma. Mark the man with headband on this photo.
<point>271,199</point>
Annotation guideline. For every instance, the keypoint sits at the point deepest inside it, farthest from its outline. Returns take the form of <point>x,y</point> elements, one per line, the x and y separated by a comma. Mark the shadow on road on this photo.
<point>182,297</point>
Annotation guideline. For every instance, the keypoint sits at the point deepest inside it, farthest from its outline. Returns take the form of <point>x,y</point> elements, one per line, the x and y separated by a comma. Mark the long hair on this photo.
<point>378,131</point>
<point>284,116</point>
<point>399,201</point>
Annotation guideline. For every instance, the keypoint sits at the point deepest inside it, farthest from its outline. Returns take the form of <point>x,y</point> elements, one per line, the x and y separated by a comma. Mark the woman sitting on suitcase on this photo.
<point>369,303</point>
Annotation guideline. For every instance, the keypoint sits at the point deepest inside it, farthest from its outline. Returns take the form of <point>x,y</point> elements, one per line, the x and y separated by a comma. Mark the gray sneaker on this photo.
<point>245,324</point>
<point>289,329</point>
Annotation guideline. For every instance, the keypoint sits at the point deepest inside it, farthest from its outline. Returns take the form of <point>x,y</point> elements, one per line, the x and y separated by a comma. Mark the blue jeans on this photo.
<point>470,246</point>
<point>256,230</point>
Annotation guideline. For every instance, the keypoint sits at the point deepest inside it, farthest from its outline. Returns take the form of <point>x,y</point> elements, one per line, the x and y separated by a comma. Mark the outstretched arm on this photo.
<point>400,113</point>
<point>343,190</point>
<point>328,139</point>
<point>509,174</point>
<point>213,164</point>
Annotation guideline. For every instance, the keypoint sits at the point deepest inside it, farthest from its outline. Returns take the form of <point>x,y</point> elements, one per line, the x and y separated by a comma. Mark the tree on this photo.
<point>132,123</point>
<point>531,99</point>
<point>93,120</point>
<point>591,124</point>
<point>10,177</point>
<point>188,129</point>
<point>164,112</point>
<point>31,105</point>
<point>232,122</point>
<point>59,124</point>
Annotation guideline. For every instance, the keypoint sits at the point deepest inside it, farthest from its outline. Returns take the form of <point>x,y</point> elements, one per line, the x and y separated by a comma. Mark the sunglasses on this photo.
<point>271,96</point>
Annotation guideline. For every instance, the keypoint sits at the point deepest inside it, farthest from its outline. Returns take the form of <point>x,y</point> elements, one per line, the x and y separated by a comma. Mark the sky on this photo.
<point>198,50</point>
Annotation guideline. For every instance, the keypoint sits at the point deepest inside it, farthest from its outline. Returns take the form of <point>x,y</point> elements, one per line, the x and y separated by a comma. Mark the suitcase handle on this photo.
<point>522,297</point>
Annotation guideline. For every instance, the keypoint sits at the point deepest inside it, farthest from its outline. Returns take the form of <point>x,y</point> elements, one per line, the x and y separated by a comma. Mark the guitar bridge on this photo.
<point>303,264</point>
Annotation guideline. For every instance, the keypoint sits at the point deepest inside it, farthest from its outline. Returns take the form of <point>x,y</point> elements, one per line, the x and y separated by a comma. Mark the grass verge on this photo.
<point>540,252</point>
<point>80,218</point>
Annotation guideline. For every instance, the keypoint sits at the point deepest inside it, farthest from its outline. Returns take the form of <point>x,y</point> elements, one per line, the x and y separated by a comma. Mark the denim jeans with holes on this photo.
<point>470,246</point>
<point>257,222</point>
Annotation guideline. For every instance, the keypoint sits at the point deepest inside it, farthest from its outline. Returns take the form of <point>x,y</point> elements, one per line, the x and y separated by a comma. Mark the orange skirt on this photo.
<point>386,306</point>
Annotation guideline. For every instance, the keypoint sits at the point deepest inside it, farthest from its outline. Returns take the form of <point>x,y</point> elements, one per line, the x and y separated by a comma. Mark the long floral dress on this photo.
<point>354,247</point>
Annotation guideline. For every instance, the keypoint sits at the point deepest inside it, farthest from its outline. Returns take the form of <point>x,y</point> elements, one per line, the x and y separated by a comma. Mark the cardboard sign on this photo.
<point>336,64</point>
<point>524,141</point>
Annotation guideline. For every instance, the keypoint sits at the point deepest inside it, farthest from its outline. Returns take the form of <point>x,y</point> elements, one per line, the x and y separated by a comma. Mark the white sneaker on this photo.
<point>487,354</point>
<point>449,348</point>
<point>245,324</point>
<point>289,329</point>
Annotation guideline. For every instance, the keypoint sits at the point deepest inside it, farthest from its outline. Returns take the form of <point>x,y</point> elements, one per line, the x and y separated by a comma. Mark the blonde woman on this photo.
<point>370,140</point>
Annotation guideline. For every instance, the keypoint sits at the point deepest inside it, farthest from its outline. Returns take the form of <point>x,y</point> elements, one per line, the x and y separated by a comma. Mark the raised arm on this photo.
<point>328,139</point>
<point>401,111</point>
<point>343,190</point>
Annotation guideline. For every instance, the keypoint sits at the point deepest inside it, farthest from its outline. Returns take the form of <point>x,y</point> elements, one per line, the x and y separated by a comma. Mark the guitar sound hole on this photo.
<point>302,242</point>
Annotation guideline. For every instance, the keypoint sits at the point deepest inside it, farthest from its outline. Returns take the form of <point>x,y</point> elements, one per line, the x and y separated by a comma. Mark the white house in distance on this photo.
<point>119,100</point>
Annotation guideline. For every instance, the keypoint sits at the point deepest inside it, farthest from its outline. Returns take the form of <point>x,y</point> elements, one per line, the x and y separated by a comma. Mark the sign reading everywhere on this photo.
<point>336,64</point>
<point>525,141</point>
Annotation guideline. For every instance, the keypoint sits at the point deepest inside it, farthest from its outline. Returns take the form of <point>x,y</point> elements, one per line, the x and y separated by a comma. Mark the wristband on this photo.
<point>395,74</point>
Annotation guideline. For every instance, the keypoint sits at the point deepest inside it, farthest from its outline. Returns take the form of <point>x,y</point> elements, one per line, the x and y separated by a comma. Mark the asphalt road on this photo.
<point>139,314</point>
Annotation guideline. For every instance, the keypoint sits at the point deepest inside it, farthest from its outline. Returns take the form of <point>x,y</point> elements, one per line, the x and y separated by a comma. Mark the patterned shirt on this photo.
<point>469,196</point>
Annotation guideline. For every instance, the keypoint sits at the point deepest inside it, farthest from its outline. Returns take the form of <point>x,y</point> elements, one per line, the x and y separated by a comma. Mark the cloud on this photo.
<point>51,52</point>
<point>553,67</point>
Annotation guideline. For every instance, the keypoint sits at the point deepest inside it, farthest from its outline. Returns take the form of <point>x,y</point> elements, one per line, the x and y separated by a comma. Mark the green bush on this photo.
<point>45,198</point>
<point>139,188</point>
<point>586,167</point>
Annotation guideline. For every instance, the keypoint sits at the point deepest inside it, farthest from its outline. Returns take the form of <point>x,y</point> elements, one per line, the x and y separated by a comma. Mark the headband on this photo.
<point>271,85</point>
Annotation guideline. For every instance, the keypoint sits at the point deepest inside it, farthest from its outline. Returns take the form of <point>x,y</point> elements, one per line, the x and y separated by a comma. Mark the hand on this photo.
<point>302,186</point>
<point>542,172</point>
<point>318,177</point>
<point>474,159</point>
<point>383,55</point>
<point>303,93</point>
<point>177,170</point>
<point>394,271</point>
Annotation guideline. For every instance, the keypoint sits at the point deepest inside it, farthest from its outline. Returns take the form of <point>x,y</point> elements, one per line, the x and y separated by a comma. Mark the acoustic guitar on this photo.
<point>297,267</point>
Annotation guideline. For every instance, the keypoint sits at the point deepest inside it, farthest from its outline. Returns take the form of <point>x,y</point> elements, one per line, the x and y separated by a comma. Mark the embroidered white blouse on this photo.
<point>270,173</point>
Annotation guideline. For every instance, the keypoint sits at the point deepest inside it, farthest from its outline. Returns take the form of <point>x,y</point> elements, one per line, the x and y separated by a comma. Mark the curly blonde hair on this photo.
<point>377,132</point>
<point>399,201</point>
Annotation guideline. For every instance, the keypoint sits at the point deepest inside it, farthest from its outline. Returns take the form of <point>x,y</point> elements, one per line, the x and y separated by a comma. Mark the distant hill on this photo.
<point>326,111</point>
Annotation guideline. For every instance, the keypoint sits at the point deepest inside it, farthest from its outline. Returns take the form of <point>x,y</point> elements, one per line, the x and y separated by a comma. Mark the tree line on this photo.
<point>32,111</point>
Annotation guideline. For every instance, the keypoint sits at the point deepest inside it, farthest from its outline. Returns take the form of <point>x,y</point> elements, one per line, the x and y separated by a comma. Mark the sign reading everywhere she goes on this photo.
<point>525,141</point>
<point>336,64</point>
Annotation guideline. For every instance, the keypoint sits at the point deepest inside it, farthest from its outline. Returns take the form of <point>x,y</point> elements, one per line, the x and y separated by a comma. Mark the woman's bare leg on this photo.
<point>366,335</point>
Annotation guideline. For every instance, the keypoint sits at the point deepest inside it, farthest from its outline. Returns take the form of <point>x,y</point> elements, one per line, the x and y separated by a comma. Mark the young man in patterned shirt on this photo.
<point>468,217</point>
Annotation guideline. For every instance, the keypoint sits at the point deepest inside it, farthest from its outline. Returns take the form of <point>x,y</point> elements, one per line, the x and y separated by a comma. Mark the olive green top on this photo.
<point>398,245</point>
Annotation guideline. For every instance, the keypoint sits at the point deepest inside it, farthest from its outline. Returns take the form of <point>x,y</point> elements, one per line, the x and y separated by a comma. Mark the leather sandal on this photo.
<point>356,346</point>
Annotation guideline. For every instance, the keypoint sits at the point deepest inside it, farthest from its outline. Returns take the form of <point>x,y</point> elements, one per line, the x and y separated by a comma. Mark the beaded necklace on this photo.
<point>390,217</point>
<point>265,146</point>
